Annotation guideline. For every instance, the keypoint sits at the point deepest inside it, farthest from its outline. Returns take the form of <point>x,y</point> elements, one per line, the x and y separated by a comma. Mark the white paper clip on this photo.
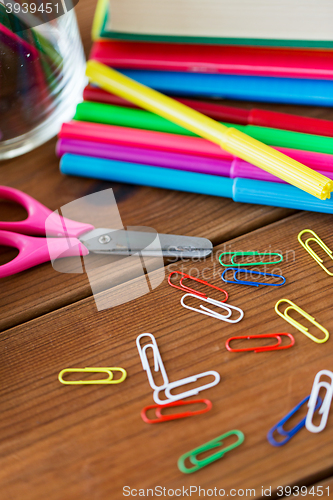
<point>186,394</point>
<point>326,404</point>
<point>167,386</point>
<point>210,312</point>
<point>158,363</point>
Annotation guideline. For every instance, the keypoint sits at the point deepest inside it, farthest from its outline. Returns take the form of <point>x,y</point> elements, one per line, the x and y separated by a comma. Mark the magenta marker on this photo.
<point>191,163</point>
<point>162,141</point>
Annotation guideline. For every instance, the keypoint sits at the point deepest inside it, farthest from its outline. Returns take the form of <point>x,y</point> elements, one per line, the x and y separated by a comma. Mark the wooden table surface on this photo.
<point>88,442</point>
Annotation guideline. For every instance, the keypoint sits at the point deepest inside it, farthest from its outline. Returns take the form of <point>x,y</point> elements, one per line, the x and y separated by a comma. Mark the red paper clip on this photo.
<point>274,347</point>
<point>191,290</point>
<point>166,418</point>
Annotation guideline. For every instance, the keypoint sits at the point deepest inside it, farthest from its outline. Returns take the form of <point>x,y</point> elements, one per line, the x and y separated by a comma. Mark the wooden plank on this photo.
<point>90,442</point>
<point>40,290</point>
<point>321,489</point>
<point>325,486</point>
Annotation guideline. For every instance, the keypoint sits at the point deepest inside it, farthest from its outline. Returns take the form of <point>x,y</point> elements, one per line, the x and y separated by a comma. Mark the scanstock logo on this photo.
<point>23,15</point>
<point>122,265</point>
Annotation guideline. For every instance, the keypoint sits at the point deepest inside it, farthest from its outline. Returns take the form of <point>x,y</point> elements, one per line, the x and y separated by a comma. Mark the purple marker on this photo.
<point>199,164</point>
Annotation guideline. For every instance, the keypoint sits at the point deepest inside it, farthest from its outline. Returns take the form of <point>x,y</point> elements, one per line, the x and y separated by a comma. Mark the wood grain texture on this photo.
<point>86,443</point>
<point>90,441</point>
<point>40,290</point>
<point>325,486</point>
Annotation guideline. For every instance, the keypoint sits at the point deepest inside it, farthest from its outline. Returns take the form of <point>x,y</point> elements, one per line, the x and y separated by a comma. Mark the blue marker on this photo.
<point>242,190</point>
<point>246,88</point>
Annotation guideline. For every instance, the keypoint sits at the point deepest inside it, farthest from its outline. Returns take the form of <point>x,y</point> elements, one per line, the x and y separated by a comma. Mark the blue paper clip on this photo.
<point>251,283</point>
<point>289,434</point>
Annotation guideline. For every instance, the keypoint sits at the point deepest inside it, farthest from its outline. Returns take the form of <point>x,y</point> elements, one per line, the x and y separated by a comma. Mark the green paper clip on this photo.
<point>214,443</point>
<point>236,254</point>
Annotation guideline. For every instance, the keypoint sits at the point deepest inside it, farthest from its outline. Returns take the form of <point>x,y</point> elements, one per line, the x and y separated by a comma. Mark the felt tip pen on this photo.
<point>138,118</point>
<point>231,114</point>
<point>240,190</point>
<point>303,91</point>
<point>209,58</point>
<point>228,168</point>
<point>230,139</point>
<point>161,141</point>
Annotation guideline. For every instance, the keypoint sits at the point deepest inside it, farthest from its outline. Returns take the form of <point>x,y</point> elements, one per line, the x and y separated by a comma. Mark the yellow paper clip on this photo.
<point>305,244</point>
<point>297,325</point>
<point>108,371</point>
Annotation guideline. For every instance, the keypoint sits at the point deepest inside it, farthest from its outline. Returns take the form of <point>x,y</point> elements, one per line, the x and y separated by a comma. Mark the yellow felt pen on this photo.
<point>230,139</point>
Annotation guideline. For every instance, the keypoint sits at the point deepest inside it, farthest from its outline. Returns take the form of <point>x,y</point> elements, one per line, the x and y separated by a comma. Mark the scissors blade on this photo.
<point>185,246</point>
<point>126,243</point>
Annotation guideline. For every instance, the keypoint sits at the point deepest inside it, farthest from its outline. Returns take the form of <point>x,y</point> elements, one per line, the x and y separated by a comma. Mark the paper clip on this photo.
<point>289,434</point>
<point>211,445</point>
<point>167,418</point>
<point>158,363</point>
<point>297,325</point>
<point>167,386</point>
<point>326,405</point>
<point>188,380</point>
<point>108,371</point>
<point>306,246</point>
<point>251,283</point>
<point>191,290</point>
<point>275,347</point>
<point>210,312</point>
<point>237,254</point>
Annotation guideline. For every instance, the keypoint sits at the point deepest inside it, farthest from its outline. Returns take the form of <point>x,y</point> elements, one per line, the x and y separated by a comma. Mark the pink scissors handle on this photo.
<point>37,215</point>
<point>34,251</point>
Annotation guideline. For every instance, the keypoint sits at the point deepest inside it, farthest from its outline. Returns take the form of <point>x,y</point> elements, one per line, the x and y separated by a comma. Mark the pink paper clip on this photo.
<point>191,290</point>
<point>167,418</point>
<point>275,347</point>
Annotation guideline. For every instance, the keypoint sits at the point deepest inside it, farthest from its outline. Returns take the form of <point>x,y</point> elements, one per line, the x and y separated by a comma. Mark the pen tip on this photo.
<point>327,189</point>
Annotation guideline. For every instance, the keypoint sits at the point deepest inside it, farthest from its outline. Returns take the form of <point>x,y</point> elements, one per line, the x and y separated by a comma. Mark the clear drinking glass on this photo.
<point>41,80</point>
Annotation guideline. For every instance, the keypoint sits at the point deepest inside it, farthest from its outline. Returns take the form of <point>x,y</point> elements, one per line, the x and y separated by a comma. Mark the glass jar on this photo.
<point>42,76</point>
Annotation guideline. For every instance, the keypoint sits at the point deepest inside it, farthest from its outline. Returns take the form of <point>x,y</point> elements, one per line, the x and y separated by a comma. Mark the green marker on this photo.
<point>137,118</point>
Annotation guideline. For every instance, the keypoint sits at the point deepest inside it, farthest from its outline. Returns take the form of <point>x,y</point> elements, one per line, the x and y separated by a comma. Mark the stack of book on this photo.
<point>264,50</point>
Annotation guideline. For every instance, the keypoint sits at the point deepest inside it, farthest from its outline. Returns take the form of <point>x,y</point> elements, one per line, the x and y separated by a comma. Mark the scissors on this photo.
<point>71,238</point>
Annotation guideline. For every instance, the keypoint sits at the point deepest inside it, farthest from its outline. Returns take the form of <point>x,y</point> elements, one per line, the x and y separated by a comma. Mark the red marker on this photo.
<point>230,114</point>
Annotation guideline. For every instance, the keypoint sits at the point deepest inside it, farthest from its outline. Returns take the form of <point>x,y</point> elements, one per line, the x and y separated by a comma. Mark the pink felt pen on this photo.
<point>233,167</point>
<point>173,143</point>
